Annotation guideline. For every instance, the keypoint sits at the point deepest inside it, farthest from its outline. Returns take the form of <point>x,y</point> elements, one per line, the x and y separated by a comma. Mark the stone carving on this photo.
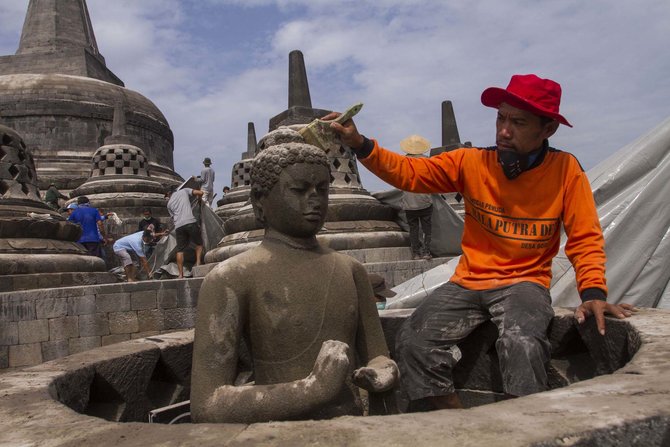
<point>121,181</point>
<point>355,221</point>
<point>238,195</point>
<point>58,93</point>
<point>305,312</point>
<point>34,239</point>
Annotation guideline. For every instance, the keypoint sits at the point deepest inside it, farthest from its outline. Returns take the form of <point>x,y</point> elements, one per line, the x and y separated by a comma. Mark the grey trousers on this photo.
<point>420,230</point>
<point>426,348</point>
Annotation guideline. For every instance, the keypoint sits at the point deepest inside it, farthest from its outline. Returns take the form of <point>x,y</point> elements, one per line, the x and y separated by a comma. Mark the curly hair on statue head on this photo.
<point>269,163</point>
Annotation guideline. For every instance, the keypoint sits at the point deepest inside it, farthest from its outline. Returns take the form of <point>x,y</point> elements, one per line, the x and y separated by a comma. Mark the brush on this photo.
<point>318,133</point>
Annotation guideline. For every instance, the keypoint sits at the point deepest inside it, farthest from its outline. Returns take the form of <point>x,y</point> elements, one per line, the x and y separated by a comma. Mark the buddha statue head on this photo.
<point>289,189</point>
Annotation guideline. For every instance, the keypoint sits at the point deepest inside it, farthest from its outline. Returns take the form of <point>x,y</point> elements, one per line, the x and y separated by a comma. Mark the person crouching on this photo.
<point>133,243</point>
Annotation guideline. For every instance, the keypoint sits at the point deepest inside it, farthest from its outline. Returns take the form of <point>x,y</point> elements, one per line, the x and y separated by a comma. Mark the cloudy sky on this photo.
<point>212,66</point>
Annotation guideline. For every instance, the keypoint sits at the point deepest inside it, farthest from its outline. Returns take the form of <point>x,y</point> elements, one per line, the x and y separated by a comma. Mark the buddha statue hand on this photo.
<point>330,369</point>
<point>380,374</point>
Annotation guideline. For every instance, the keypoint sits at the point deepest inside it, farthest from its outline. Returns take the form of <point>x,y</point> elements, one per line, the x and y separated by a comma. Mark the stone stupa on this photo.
<point>356,221</point>
<point>238,195</point>
<point>38,247</point>
<point>121,181</point>
<point>58,93</point>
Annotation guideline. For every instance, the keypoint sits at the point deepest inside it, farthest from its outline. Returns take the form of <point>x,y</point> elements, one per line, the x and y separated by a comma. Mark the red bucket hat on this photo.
<point>530,93</point>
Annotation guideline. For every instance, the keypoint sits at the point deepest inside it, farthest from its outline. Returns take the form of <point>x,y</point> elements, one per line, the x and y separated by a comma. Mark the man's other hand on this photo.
<point>347,131</point>
<point>599,308</point>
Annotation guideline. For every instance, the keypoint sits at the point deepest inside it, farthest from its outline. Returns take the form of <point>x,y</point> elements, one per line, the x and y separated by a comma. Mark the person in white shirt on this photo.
<point>133,243</point>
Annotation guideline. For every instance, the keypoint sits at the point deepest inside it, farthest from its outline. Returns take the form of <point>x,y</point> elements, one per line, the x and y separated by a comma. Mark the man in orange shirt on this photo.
<point>517,195</point>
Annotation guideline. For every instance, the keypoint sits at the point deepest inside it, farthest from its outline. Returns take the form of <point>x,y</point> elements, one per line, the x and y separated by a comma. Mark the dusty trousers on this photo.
<point>426,350</point>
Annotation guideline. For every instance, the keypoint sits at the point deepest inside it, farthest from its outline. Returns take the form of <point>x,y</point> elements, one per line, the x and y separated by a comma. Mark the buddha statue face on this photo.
<point>289,188</point>
<point>297,204</point>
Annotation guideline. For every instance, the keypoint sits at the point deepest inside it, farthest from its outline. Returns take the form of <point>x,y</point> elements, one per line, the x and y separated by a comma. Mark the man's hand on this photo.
<point>599,308</point>
<point>347,131</point>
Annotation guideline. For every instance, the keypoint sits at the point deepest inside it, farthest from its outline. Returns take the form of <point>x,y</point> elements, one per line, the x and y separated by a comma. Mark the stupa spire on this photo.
<point>298,87</point>
<point>58,38</point>
<point>57,25</point>
<point>450,137</point>
<point>252,142</point>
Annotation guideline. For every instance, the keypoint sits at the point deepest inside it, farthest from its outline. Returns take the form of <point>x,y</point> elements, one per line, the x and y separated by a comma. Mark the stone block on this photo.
<point>50,307</point>
<point>4,357</point>
<point>83,344</point>
<point>23,282</point>
<point>9,333</point>
<point>114,338</point>
<point>144,334</point>
<point>94,324</point>
<point>34,331</point>
<point>113,302</point>
<point>150,320</point>
<point>16,308</point>
<point>167,298</point>
<point>63,328</point>
<point>81,305</point>
<point>48,281</point>
<point>187,292</point>
<point>179,318</point>
<point>143,300</point>
<point>25,355</point>
<point>123,322</point>
<point>55,350</point>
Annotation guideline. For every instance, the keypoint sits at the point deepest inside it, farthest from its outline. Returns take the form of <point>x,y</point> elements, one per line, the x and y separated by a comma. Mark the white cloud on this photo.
<point>401,58</point>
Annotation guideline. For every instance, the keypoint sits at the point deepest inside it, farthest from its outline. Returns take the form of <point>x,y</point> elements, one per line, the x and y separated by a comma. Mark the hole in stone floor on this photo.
<point>104,401</point>
<point>577,354</point>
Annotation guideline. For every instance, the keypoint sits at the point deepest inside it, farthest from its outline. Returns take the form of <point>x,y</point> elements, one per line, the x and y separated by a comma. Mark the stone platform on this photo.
<point>12,283</point>
<point>629,407</point>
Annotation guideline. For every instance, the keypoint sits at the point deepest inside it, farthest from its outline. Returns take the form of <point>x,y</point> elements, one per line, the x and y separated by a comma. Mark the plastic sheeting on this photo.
<point>211,227</point>
<point>447,225</point>
<point>632,193</point>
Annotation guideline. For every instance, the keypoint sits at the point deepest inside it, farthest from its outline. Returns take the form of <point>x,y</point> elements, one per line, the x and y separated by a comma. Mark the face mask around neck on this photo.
<point>512,163</point>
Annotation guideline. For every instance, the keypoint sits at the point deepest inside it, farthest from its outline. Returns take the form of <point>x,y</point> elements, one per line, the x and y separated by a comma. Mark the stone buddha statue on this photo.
<point>305,314</point>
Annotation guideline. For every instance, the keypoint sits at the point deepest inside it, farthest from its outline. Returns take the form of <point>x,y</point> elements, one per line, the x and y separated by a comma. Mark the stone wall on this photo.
<point>41,325</point>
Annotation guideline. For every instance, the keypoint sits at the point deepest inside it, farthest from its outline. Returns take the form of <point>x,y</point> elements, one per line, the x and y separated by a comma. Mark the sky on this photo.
<point>212,66</point>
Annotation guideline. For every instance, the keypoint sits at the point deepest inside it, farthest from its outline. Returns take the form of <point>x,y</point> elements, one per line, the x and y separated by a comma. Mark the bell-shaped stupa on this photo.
<point>238,196</point>
<point>38,247</point>
<point>121,179</point>
<point>58,93</point>
<point>356,220</point>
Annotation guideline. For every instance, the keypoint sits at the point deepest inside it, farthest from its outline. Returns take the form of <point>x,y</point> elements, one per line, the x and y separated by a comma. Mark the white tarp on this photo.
<point>447,225</point>
<point>632,193</point>
<point>211,229</point>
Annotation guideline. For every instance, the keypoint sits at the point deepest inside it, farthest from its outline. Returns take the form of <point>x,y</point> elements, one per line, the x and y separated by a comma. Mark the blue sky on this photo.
<point>212,66</point>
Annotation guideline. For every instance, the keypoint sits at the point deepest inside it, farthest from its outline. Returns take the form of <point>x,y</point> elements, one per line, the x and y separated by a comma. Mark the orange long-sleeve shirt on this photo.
<point>512,227</point>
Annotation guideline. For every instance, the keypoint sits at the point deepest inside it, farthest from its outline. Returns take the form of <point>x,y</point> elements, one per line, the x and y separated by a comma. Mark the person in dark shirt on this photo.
<point>149,222</point>
<point>52,195</point>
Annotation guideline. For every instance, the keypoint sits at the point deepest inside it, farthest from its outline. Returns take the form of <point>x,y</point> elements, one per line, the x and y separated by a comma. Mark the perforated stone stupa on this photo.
<point>58,93</point>
<point>35,241</point>
<point>240,179</point>
<point>355,221</point>
<point>121,179</point>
